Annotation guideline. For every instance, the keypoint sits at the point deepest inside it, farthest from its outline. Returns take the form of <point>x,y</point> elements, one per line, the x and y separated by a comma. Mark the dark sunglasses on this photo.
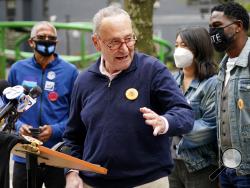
<point>45,37</point>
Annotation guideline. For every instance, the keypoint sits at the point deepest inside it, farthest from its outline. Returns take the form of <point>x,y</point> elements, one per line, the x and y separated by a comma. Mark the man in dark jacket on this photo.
<point>115,105</point>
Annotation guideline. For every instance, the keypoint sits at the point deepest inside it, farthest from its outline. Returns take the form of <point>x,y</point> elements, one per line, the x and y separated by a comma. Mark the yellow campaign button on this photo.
<point>240,104</point>
<point>131,94</point>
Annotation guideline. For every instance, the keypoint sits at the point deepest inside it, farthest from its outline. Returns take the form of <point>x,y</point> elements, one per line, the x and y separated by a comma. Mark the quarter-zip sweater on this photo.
<point>107,128</point>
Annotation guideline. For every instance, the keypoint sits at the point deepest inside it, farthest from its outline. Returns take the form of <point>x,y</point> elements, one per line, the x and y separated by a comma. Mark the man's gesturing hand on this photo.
<point>153,119</point>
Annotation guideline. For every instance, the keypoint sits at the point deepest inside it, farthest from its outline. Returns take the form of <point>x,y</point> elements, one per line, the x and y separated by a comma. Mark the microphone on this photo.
<point>35,92</point>
<point>20,99</point>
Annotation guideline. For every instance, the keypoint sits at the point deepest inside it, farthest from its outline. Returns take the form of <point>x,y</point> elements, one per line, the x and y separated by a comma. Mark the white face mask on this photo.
<point>183,57</point>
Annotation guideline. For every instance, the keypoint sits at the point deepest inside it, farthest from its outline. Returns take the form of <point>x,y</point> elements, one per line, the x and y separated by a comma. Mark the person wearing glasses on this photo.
<point>123,111</point>
<point>47,118</point>
<point>228,28</point>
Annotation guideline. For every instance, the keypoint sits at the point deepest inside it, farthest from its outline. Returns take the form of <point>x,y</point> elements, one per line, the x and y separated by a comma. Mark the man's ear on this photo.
<point>240,26</point>
<point>31,43</point>
<point>96,42</point>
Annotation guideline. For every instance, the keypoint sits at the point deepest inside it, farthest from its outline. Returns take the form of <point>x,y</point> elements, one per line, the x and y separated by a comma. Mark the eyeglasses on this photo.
<point>117,43</point>
<point>45,37</point>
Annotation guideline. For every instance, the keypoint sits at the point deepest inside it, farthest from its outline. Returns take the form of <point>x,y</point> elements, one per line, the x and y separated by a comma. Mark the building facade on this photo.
<point>169,16</point>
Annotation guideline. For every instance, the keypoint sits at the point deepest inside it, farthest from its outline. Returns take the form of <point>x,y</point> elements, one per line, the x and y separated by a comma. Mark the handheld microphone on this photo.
<point>35,92</point>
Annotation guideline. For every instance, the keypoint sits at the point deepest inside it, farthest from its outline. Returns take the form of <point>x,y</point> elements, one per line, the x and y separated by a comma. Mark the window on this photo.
<point>10,9</point>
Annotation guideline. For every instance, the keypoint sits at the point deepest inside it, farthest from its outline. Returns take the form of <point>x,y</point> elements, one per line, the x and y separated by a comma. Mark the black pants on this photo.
<point>52,177</point>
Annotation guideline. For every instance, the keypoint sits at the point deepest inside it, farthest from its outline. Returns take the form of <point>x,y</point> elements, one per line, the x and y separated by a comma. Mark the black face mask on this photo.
<point>220,40</point>
<point>45,48</point>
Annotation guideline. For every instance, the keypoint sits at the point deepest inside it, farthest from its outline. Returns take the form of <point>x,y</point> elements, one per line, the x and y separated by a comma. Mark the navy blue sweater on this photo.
<point>108,129</point>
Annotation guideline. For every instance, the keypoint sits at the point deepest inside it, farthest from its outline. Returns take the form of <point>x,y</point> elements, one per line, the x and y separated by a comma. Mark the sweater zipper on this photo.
<point>109,84</point>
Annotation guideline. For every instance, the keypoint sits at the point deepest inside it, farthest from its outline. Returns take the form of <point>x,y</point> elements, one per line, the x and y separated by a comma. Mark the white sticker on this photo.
<point>51,75</point>
<point>49,86</point>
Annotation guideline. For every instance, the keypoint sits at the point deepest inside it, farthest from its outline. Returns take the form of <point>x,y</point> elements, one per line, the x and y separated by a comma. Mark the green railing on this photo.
<point>164,49</point>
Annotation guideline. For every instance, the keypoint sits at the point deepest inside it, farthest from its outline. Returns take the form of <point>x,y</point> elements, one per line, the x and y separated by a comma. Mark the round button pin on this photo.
<point>51,75</point>
<point>53,96</point>
<point>240,104</point>
<point>131,94</point>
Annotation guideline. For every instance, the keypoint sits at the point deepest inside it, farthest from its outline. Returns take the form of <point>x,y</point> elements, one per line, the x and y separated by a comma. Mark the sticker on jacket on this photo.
<point>51,75</point>
<point>49,86</point>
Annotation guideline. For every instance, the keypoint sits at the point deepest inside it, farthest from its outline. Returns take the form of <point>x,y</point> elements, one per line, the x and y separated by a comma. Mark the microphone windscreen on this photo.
<point>26,89</point>
<point>3,84</point>
<point>35,92</point>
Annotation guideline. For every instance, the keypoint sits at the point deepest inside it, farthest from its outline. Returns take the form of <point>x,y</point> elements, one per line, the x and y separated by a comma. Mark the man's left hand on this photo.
<point>154,120</point>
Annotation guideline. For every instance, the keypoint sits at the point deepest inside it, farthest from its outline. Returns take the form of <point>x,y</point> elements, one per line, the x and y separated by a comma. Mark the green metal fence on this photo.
<point>164,48</point>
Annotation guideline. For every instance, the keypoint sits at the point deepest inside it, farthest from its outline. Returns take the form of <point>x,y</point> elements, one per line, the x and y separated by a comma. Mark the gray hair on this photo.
<point>104,13</point>
<point>39,24</point>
